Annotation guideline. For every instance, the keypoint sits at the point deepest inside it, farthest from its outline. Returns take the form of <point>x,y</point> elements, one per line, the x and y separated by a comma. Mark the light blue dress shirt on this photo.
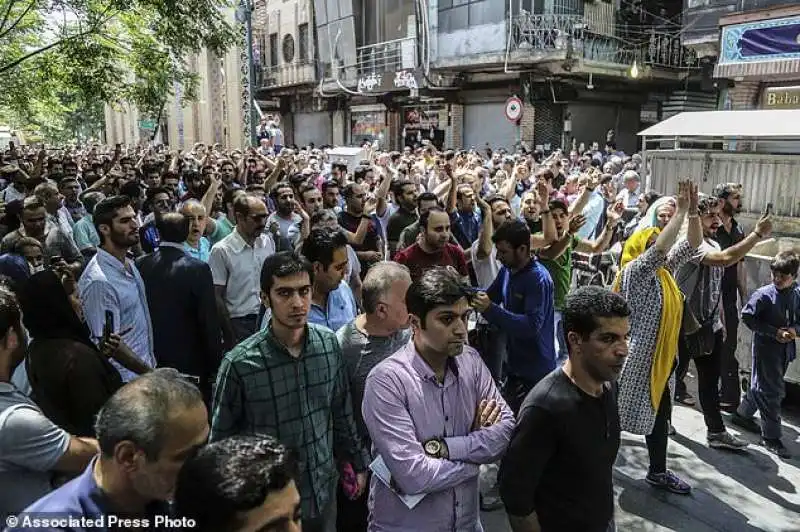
<point>85,234</point>
<point>200,253</point>
<point>341,310</point>
<point>108,284</point>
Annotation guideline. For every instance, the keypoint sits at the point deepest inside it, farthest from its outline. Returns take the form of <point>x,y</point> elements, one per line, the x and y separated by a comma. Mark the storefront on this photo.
<point>424,122</point>
<point>369,123</point>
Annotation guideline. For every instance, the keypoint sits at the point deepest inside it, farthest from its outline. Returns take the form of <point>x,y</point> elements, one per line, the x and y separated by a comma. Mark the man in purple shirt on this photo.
<point>434,415</point>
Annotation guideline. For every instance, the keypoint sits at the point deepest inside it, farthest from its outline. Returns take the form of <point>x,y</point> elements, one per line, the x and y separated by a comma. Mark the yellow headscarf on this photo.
<point>671,312</point>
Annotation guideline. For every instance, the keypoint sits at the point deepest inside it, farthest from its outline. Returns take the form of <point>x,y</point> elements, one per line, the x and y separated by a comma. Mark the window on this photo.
<point>457,15</point>
<point>302,35</point>
<point>273,49</point>
<point>288,48</point>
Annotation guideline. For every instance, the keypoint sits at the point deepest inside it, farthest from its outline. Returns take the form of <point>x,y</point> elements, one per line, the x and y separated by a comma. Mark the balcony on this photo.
<point>563,37</point>
<point>273,77</point>
<point>387,57</point>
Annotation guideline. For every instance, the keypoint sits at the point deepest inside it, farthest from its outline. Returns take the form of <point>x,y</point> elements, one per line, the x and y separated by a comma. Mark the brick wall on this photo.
<point>744,95</point>
<point>526,125</point>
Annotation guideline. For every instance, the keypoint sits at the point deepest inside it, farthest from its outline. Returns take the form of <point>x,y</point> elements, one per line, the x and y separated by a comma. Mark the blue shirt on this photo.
<point>768,310</point>
<point>465,227</point>
<point>341,310</point>
<point>522,307</point>
<point>85,233</point>
<point>82,497</point>
<point>200,253</point>
<point>107,284</point>
<point>593,211</point>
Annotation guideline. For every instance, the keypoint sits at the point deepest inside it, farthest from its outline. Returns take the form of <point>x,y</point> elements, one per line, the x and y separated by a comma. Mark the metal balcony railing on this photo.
<point>387,56</point>
<point>571,34</point>
<point>282,75</point>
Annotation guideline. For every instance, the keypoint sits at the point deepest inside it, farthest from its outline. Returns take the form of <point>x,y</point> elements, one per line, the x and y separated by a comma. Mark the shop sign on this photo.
<point>781,98</point>
<point>387,82</point>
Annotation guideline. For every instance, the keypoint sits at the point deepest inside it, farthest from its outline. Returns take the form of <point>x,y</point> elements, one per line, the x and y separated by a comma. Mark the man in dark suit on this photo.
<point>180,295</point>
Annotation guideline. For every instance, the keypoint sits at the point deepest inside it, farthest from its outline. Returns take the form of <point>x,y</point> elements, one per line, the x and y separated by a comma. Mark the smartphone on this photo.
<point>108,327</point>
<point>768,210</point>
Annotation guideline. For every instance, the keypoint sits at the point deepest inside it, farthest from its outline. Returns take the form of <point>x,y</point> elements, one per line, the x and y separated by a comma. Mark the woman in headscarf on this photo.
<point>71,378</point>
<point>656,302</point>
<point>659,213</point>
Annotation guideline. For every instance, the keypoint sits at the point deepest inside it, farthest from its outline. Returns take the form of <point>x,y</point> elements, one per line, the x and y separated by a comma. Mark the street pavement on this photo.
<point>732,492</point>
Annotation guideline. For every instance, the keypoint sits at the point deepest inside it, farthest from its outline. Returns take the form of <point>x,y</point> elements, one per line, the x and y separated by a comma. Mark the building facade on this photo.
<point>218,114</point>
<point>402,71</point>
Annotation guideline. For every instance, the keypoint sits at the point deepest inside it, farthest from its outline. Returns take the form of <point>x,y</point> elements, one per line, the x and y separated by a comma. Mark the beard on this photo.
<point>730,210</point>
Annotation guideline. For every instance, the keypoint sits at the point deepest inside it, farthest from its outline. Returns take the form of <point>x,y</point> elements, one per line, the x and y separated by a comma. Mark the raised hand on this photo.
<point>576,223</point>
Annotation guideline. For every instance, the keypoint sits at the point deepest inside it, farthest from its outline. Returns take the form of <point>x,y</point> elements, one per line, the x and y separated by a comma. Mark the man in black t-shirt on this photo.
<point>557,473</point>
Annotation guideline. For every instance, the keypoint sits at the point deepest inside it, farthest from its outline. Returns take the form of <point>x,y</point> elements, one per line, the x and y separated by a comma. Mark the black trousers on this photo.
<point>657,440</point>
<point>708,371</point>
<point>729,366</point>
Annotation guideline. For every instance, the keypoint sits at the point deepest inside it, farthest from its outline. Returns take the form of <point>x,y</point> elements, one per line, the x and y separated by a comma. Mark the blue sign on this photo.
<point>765,40</point>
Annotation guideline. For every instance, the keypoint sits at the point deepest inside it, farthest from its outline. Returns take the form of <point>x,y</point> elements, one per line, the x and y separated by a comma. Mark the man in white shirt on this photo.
<point>236,262</point>
<point>629,196</point>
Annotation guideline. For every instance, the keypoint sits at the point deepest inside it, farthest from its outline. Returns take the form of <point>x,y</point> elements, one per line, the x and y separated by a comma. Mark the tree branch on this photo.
<point>7,13</point>
<point>34,53</point>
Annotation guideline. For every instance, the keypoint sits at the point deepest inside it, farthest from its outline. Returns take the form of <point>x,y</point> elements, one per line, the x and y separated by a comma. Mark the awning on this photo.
<point>779,123</point>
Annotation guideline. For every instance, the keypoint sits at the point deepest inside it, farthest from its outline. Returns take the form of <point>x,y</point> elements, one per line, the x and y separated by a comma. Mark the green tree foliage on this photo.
<point>60,60</point>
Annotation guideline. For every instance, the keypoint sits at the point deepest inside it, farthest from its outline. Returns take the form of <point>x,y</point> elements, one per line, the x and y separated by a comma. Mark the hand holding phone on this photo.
<point>108,327</point>
<point>769,209</point>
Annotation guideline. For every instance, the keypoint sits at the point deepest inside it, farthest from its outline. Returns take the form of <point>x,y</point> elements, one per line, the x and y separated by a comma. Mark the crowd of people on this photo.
<point>247,340</point>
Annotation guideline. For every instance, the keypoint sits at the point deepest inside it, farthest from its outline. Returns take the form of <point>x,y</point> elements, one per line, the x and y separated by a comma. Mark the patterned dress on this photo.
<point>642,289</point>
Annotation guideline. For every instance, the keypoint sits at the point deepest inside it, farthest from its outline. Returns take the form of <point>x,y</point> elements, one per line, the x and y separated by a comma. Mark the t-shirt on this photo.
<point>418,260</point>
<point>361,353</point>
<point>560,459</point>
<point>703,298</point>
<point>730,279</point>
<point>371,240</point>
<point>30,446</point>
<point>397,222</point>
<point>561,271</point>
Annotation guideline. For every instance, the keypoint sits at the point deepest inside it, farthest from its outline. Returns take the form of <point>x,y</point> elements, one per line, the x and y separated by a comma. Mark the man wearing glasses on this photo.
<point>236,262</point>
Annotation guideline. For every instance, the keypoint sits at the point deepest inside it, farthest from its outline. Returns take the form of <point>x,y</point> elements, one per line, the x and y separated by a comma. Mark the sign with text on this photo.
<point>376,83</point>
<point>781,98</point>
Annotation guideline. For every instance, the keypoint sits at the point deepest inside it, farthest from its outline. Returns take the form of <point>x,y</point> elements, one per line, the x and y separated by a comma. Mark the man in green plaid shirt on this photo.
<point>289,381</point>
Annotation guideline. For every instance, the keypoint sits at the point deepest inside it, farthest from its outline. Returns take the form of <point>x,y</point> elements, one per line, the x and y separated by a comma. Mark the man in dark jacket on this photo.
<point>180,294</point>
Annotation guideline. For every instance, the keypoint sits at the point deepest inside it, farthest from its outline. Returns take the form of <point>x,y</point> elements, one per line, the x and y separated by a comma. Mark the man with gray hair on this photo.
<point>146,431</point>
<point>629,195</point>
<point>366,341</point>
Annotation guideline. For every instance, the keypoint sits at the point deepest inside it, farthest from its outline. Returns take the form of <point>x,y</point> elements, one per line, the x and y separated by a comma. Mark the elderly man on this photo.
<point>629,196</point>
<point>146,431</point>
<point>367,341</point>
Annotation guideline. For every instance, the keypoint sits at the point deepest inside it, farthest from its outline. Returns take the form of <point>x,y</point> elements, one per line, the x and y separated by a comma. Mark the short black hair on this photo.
<point>785,262</point>
<point>105,211</point>
<point>278,186</point>
<point>230,476</point>
<point>131,189</point>
<point>173,227</point>
<point>494,198</point>
<point>558,204</point>
<point>515,232</point>
<point>306,188</point>
<point>155,191</point>
<point>589,302</point>
<point>329,184</point>
<point>90,199</point>
<point>439,286</point>
<point>283,264</point>
<point>360,173</point>
<point>427,196</point>
<point>349,190</point>
<point>230,195</point>
<point>423,220</point>
<point>320,245</point>
<point>397,186</point>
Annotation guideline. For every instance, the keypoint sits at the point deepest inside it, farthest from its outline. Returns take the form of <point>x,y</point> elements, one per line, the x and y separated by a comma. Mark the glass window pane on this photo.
<point>333,10</point>
<point>460,2</point>
<point>459,18</point>
<point>320,12</point>
<point>445,4</point>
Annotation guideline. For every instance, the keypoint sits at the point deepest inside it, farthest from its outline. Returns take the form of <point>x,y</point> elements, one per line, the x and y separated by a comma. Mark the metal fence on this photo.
<point>573,34</point>
<point>387,56</point>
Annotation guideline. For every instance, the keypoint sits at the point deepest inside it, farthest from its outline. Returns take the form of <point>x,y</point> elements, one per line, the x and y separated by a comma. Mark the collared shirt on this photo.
<point>236,265</point>
<point>55,243</point>
<point>85,233</point>
<point>10,193</point>
<point>82,497</point>
<point>340,309</point>
<point>302,401</point>
<point>465,227</point>
<point>63,220</point>
<point>405,406</point>
<point>202,252</point>
<point>76,211</point>
<point>108,284</point>
<point>522,307</point>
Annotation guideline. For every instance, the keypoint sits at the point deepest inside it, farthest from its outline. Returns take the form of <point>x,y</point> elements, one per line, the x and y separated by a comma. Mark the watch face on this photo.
<point>432,447</point>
